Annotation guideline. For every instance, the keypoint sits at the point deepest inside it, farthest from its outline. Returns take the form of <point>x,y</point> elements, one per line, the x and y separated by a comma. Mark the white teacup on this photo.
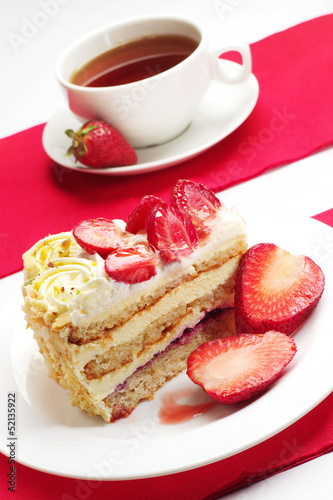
<point>157,109</point>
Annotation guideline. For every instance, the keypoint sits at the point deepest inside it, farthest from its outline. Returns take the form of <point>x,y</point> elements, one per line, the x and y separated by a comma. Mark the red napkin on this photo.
<point>326,217</point>
<point>292,119</point>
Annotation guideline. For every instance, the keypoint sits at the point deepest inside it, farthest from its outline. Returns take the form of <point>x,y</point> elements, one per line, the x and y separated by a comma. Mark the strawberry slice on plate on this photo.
<point>137,218</point>
<point>99,235</point>
<point>131,264</point>
<point>196,200</point>
<point>234,369</point>
<point>275,290</point>
<point>173,237</point>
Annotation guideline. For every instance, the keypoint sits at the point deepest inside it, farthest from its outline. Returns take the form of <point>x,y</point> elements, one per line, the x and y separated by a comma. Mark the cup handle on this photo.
<point>241,72</point>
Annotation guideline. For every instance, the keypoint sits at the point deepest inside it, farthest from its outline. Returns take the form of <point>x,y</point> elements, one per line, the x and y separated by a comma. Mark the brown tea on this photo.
<point>135,61</point>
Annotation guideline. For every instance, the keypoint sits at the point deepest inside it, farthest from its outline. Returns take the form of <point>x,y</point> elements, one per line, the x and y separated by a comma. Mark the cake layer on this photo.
<point>145,381</point>
<point>148,379</point>
<point>162,293</point>
<point>159,324</point>
<point>100,366</point>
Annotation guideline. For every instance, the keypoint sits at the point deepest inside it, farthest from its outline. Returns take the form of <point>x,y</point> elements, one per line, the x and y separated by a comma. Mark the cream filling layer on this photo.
<point>183,297</point>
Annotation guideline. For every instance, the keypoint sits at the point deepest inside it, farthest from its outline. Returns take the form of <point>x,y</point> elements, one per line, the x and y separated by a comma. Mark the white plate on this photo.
<point>57,438</point>
<point>223,109</point>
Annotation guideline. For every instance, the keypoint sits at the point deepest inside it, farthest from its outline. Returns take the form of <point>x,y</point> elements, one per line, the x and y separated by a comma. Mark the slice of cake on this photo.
<point>116,308</point>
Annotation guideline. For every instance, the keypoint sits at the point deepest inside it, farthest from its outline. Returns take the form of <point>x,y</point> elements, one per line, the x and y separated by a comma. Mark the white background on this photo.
<point>33,34</point>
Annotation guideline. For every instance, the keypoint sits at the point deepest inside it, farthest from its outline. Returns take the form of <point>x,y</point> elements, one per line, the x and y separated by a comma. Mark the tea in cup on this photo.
<point>146,77</point>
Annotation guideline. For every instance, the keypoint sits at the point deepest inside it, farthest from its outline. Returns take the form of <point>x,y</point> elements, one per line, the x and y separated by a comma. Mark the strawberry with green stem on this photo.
<point>99,145</point>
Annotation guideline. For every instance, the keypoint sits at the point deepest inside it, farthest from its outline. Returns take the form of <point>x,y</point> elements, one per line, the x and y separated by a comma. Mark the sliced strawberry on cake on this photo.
<point>234,369</point>
<point>173,237</point>
<point>100,235</point>
<point>197,201</point>
<point>137,219</point>
<point>275,290</point>
<point>131,264</point>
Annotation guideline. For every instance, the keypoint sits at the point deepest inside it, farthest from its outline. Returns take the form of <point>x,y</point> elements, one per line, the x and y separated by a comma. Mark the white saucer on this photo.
<point>224,108</point>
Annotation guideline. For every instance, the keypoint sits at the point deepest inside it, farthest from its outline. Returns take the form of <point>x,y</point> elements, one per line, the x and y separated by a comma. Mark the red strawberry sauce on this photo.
<point>173,412</point>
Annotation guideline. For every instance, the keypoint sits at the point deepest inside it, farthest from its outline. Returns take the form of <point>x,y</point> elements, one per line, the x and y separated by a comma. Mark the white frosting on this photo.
<point>77,283</point>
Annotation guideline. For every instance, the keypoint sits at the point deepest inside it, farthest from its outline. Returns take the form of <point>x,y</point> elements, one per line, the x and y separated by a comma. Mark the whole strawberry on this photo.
<point>99,145</point>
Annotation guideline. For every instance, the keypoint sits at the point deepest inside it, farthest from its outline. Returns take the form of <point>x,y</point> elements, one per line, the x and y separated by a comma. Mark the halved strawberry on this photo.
<point>171,236</point>
<point>131,265</point>
<point>137,218</point>
<point>196,200</point>
<point>275,290</point>
<point>234,369</point>
<point>99,235</point>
